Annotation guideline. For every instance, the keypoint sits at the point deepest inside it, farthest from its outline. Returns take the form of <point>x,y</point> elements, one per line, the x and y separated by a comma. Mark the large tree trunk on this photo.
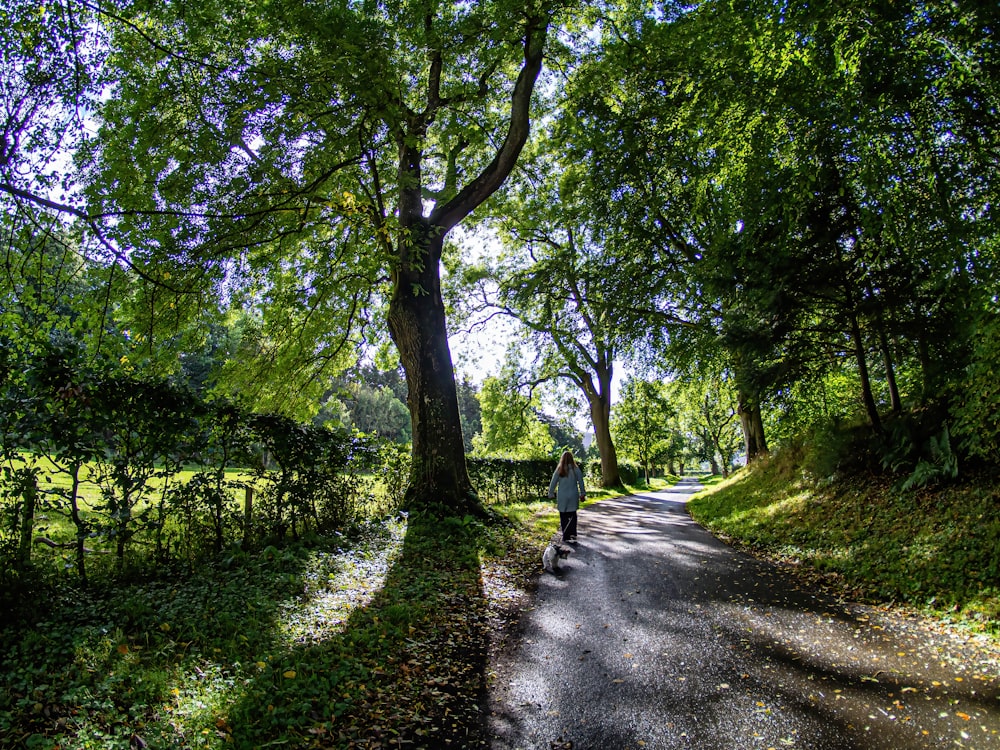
<point>599,399</point>
<point>752,425</point>
<point>600,415</point>
<point>439,478</point>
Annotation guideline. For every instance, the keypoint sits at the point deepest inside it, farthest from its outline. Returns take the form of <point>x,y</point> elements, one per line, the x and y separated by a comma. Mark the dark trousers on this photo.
<point>567,521</point>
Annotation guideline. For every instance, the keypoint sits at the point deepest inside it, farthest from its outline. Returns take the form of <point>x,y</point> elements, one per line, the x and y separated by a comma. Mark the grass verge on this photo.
<point>934,550</point>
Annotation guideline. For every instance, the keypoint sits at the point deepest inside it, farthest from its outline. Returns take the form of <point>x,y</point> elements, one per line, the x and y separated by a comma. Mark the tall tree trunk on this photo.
<point>752,425</point>
<point>600,415</point>
<point>866,381</point>
<point>439,477</point>
<point>599,399</point>
<point>890,371</point>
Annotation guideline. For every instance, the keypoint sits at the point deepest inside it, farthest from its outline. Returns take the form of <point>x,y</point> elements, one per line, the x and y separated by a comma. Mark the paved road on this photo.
<point>656,635</point>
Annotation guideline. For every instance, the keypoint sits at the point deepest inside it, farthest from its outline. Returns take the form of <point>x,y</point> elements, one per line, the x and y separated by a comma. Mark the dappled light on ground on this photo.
<point>335,585</point>
<point>658,635</point>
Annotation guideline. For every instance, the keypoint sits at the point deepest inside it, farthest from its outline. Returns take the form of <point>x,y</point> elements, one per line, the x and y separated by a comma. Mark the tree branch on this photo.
<point>6,187</point>
<point>99,10</point>
<point>493,176</point>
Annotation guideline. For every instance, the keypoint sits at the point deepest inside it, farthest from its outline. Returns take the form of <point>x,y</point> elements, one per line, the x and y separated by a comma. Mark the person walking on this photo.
<point>568,490</point>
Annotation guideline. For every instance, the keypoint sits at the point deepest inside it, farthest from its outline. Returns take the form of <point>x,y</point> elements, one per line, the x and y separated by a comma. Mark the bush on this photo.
<point>975,407</point>
<point>918,445</point>
<point>392,464</point>
<point>502,481</point>
<point>628,472</point>
<point>631,473</point>
<point>205,517</point>
<point>830,448</point>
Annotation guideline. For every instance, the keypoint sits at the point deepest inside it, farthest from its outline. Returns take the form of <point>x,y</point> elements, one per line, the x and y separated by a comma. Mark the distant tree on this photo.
<point>333,413</point>
<point>511,427</point>
<point>376,378</point>
<point>644,422</point>
<point>708,409</point>
<point>564,434</point>
<point>570,291</point>
<point>377,411</point>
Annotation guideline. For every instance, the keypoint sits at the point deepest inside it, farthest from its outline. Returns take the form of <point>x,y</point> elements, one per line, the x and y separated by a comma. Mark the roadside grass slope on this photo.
<point>935,550</point>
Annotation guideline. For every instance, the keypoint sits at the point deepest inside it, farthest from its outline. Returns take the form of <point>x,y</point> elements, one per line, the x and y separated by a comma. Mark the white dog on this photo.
<point>552,555</point>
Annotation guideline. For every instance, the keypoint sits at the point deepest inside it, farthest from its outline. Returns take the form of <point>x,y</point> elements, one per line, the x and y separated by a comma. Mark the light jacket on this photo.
<point>568,489</point>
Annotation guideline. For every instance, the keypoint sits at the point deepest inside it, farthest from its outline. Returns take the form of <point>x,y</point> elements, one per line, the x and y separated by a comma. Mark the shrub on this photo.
<point>628,472</point>
<point>975,406</point>
<point>918,445</point>
<point>830,448</point>
<point>502,481</point>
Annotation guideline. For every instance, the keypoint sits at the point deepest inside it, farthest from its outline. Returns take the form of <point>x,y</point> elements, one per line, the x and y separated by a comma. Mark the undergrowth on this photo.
<point>934,549</point>
<point>376,641</point>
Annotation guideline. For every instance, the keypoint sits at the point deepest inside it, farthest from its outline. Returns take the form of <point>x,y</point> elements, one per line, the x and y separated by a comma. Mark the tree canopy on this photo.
<point>307,162</point>
<point>800,197</point>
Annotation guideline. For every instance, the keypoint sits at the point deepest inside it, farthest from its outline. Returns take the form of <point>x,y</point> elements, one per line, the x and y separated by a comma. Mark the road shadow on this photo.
<point>661,633</point>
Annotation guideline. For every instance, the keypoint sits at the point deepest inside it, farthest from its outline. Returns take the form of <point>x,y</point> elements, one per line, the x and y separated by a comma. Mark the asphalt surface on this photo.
<point>657,635</point>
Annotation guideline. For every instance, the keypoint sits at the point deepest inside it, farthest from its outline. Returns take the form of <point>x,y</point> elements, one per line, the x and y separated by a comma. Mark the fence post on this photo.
<point>247,517</point>
<point>29,496</point>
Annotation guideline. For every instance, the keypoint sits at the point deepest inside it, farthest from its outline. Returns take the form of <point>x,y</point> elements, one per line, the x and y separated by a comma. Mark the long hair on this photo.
<point>565,463</point>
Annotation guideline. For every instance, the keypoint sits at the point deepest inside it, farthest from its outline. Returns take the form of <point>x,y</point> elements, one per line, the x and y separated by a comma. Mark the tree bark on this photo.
<point>866,382</point>
<point>438,474</point>
<point>752,426</point>
<point>599,399</point>
<point>600,414</point>
<point>890,371</point>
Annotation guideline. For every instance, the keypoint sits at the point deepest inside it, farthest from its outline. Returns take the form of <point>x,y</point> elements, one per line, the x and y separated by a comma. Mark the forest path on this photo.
<point>657,635</point>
